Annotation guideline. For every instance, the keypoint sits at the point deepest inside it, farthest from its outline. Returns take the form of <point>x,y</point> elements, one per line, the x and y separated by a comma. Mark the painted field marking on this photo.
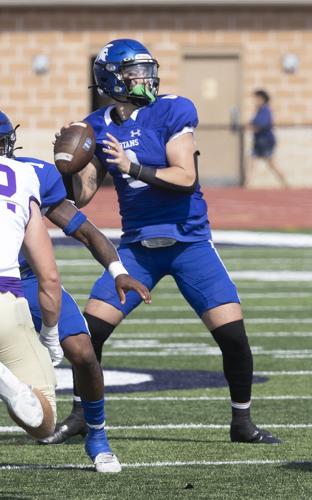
<point>197,348</point>
<point>233,237</point>
<point>273,373</point>
<point>206,334</point>
<point>194,321</point>
<point>253,275</point>
<point>78,263</point>
<point>204,398</point>
<point>244,295</point>
<point>14,429</point>
<point>177,295</point>
<point>187,308</point>
<point>137,465</point>
<point>200,352</point>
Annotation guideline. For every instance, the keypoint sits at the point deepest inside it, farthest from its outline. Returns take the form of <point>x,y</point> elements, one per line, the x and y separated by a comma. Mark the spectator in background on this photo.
<point>264,141</point>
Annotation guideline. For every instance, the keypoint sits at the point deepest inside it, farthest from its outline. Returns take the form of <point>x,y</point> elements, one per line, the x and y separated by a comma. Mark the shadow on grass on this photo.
<point>304,466</point>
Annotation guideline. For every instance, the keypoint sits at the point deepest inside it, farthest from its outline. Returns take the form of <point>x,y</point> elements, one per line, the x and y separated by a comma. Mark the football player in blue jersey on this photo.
<point>73,331</point>
<point>146,143</point>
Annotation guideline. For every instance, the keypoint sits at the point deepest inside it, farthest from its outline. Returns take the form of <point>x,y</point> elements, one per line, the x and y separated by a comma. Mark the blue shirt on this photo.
<point>263,121</point>
<point>148,211</point>
<point>52,191</point>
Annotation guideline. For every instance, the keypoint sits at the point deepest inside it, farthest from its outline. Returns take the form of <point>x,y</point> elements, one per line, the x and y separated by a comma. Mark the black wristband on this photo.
<point>148,175</point>
<point>135,170</point>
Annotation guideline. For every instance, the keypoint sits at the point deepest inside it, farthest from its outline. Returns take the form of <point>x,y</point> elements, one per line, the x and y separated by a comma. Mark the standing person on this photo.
<point>264,141</point>
<point>146,143</point>
<point>27,380</point>
<point>72,328</point>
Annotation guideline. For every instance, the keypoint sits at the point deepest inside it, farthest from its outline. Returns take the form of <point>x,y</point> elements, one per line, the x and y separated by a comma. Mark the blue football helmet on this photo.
<point>7,136</point>
<point>125,71</point>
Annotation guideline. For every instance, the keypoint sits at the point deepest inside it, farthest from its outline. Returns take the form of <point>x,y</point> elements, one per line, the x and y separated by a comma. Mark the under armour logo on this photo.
<point>135,133</point>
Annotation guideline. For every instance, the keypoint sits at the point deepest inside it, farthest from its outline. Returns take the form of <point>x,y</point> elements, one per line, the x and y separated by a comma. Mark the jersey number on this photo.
<point>9,188</point>
<point>133,183</point>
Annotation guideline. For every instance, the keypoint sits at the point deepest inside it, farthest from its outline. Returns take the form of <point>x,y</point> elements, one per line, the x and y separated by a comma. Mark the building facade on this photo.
<point>216,53</point>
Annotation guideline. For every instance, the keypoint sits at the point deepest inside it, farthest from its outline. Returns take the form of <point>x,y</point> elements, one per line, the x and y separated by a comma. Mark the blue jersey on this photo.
<point>263,121</point>
<point>148,211</point>
<point>52,191</point>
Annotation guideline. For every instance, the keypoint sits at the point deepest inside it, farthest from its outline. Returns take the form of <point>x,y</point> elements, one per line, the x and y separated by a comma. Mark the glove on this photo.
<point>50,339</point>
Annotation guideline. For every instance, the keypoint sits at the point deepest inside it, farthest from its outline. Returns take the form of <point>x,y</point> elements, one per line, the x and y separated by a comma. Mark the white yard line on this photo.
<point>185,399</point>
<point>156,427</point>
<point>273,373</point>
<point>194,352</point>
<point>78,262</point>
<point>136,465</point>
<point>194,321</point>
<point>202,398</point>
<point>253,275</point>
<point>287,321</point>
<point>244,295</point>
<point>242,238</point>
<point>206,334</point>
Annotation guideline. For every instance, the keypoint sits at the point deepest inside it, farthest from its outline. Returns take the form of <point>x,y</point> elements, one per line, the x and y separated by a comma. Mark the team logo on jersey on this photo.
<point>135,133</point>
<point>130,144</point>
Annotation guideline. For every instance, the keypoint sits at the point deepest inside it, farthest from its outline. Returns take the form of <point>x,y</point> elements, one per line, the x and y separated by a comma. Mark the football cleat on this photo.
<point>20,399</point>
<point>250,433</point>
<point>98,449</point>
<point>107,462</point>
<point>73,425</point>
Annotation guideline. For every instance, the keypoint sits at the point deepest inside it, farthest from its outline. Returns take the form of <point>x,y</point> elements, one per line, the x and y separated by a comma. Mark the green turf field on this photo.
<point>174,444</point>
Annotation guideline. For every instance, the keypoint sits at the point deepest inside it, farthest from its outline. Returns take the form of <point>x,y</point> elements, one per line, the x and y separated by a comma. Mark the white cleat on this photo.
<point>107,462</point>
<point>20,399</point>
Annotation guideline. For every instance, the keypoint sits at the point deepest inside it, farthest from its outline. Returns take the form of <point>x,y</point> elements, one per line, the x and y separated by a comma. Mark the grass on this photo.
<point>279,323</point>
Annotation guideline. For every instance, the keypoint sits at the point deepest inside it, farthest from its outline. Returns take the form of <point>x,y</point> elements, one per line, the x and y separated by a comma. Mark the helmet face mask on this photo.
<point>126,71</point>
<point>7,136</point>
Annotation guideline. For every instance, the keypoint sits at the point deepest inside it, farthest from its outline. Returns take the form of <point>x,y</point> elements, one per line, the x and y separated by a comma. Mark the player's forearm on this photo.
<point>86,182</point>
<point>173,178</point>
<point>50,299</point>
<point>101,247</point>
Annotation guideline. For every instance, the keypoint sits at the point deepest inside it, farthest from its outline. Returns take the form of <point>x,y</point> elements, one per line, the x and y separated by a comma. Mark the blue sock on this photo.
<point>94,413</point>
<point>96,441</point>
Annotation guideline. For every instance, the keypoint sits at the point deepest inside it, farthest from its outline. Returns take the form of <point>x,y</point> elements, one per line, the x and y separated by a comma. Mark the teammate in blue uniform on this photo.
<point>73,331</point>
<point>264,141</point>
<point>146,143</point>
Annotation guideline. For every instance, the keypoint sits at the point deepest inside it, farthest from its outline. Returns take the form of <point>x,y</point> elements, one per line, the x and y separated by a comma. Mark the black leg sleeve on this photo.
<point>100,331</point>
<point>237,359</point>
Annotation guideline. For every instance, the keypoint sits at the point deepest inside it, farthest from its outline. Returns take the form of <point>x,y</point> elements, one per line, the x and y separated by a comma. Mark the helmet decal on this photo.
<point>126,71</point>
<point>104,52</point>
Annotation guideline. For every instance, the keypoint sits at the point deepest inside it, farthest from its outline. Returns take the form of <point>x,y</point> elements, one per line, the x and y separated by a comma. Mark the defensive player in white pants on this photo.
<point>27,380</point>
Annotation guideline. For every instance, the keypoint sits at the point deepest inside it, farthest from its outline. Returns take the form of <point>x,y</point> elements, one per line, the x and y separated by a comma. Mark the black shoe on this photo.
<point>248,432</point>
<point>73,425</point>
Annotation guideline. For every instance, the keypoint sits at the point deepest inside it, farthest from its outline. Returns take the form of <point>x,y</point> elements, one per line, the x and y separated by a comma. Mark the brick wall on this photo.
<point>70,36</point>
